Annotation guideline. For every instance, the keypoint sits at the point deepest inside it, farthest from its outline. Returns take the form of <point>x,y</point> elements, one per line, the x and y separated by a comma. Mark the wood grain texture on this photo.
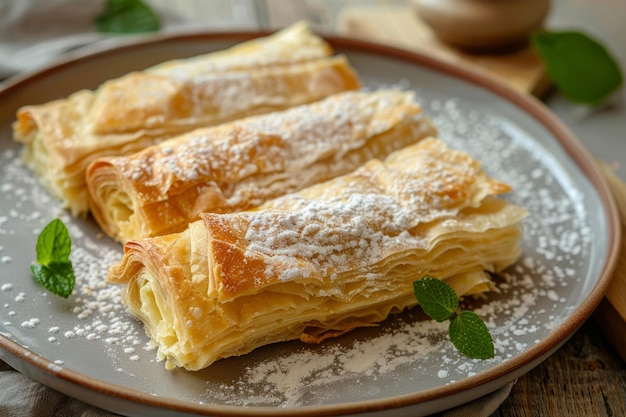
<point>612,324</point>
<point>586,377</point>
<point>616,293</point>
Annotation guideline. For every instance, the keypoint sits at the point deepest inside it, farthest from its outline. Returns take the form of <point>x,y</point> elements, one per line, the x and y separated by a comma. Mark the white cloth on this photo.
<point>30,38</point>
<point>21,396</point>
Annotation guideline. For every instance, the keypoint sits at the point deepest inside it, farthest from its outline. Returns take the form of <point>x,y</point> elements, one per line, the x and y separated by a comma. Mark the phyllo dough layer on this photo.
<point>288,68</point>
<point>318,263</point>
<point>239,165</point>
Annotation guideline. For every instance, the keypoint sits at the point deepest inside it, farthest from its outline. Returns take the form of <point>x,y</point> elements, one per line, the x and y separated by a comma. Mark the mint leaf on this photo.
<point>469,334</point>
<point>437,298</point>
<point>54,243</point>
<point>57,278</point>
<point>580,67</point>
<point>127,16</point>
<point>53,269</point>
<point>467,331</point>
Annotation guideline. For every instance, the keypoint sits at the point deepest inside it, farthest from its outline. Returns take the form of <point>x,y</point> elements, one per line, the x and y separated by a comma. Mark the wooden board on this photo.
<point>402,27</point>
<point>611,314</point>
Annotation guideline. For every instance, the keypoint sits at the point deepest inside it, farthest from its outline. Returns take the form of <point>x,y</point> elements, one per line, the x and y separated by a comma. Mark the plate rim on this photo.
<point>506,371</point>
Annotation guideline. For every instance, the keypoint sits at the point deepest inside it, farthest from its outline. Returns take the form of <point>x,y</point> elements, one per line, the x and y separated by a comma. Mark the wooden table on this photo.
<point>586,377</point>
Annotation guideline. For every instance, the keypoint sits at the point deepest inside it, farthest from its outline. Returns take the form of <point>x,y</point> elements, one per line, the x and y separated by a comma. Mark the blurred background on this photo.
<point>34,33</point>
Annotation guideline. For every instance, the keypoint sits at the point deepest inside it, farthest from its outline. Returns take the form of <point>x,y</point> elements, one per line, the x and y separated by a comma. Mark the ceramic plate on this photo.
<point>89,347</point>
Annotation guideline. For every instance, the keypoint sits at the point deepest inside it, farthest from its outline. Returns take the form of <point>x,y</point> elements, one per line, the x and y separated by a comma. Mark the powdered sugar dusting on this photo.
<point>385,203</point>
<point>92,333</point>
<point>292,139</point>
<point>95,311</point>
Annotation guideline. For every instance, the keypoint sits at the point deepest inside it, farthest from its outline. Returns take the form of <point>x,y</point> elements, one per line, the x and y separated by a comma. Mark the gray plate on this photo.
<point>89,347</point>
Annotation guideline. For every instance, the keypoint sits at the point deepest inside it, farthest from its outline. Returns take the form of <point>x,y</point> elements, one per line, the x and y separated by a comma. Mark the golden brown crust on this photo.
<point>315,264</point>
<point>240,165</point>
<point>145,107</point>
<point>156,102</point>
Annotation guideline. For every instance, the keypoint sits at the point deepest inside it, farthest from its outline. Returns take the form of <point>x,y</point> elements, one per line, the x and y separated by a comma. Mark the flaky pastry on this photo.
<point>239,165</point>
<point>318,263</point>
<point>124,115</point>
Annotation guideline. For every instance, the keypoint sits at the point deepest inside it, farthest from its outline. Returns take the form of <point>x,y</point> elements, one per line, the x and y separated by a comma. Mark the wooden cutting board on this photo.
<point>401,27</point>
<point>611,313</point>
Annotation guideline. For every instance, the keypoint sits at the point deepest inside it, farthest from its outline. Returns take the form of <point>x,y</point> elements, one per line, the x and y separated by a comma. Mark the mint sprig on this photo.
<point>467,331</point>
<point>579,66</point>
<point>127,16</point>
<point>53,269</point>
<point>470,335</point>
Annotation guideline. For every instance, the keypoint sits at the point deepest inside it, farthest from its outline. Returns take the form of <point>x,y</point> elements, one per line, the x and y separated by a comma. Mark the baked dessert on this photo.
<point>318,263</point>
<point>239,165</point>
<point>124,115</point>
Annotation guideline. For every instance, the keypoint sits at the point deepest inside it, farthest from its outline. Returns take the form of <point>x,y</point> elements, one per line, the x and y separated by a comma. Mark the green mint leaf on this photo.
<point>580,67</point>
<point>467,331</point>
<point>469,334</point>
<point>57,278</point>
<point>127,16</point>
<point>437,298</point>
<point>53,269</point>
<point>54,243</point>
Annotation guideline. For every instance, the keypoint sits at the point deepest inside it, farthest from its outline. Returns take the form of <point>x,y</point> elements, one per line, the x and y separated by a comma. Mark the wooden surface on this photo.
<point>586,377</point>
<point>611,315</point>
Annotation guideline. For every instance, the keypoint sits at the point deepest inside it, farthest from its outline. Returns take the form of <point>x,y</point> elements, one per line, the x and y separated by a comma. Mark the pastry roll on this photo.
<point>124,115</point>
<point>318,263</point>
<point>239,165</point>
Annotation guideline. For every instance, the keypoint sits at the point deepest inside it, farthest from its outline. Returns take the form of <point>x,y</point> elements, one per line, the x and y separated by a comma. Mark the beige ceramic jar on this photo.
<point>482,24</point>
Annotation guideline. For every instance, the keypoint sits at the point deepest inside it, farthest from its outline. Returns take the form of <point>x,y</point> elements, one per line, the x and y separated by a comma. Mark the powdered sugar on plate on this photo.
<point>93,334</point>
